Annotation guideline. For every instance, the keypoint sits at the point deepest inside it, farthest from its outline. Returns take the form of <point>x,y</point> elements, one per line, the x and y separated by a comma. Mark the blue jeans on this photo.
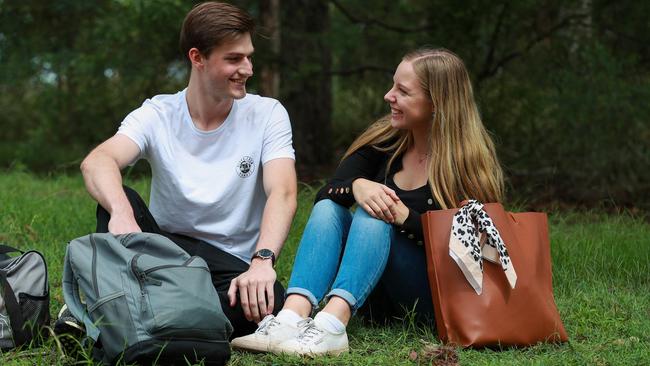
<point>403,288</point>
<point>341,252</point>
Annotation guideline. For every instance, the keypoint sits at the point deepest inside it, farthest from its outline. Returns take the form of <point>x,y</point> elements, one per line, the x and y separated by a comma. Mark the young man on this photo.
<point>223,177</point>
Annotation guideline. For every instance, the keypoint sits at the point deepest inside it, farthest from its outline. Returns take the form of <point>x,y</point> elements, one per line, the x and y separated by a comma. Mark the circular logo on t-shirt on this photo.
<point>245,167</point>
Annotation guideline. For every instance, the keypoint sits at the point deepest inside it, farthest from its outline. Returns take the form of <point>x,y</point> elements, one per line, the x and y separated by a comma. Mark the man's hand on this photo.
<point>375,198</point>
<point>255,287</point>
<point>123,224</point>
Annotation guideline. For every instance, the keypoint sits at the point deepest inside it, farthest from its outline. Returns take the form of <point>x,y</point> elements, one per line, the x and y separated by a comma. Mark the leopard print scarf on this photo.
<point>467,249</point>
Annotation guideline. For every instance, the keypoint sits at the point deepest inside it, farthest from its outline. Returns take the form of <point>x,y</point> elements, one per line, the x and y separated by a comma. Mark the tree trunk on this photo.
<point>306,80</point>
<point>270,22</point>
<point>583,32</point>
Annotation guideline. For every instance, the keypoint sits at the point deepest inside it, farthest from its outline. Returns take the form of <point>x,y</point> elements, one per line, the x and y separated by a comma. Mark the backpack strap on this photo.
<point>20,335</point>
<point>4,248</point>
<point>73,299</point>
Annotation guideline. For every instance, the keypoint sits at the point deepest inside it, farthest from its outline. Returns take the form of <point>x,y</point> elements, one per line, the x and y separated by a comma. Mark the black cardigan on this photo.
<point>371,164</point>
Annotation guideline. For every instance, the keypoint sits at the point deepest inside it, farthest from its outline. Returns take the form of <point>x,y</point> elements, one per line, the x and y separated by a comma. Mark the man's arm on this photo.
<point>101,172</point>
<point>255,286</point>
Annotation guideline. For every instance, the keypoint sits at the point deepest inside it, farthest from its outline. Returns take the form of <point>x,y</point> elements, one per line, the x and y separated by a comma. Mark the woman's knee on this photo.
<point>362,218</point>
<point>368,233</point>
<point>330,211</point>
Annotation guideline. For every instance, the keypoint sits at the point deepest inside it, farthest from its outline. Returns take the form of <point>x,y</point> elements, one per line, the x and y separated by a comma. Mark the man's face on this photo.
<point>227,68</point>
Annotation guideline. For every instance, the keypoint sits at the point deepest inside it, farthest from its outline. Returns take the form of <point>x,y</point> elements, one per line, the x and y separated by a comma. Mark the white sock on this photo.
<point>329,322</point>
<point>288,317</point>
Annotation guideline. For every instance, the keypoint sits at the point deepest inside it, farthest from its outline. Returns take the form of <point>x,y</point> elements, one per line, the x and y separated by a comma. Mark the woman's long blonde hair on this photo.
<point>463,163</point>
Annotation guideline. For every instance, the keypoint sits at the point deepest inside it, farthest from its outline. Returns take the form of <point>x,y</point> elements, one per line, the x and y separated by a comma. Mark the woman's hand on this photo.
<point>376,199</point>
<point>400,212</point>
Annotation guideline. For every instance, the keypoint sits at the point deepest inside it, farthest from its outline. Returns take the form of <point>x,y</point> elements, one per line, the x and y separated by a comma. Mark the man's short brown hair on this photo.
<point>209,24</point>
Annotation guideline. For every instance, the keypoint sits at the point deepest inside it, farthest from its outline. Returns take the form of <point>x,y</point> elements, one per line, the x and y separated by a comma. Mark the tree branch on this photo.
<point>609,28</point>
<point>371,21</point>
<point>489,71</point>
<point>495,37</point>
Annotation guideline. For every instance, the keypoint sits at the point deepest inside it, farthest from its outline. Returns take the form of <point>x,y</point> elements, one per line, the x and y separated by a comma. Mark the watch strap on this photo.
<point>265,254</point>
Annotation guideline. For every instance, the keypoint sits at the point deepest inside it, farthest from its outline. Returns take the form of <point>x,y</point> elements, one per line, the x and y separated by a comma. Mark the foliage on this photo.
<point>601,273</point>
<point>562,85</point>
<point>74,69</point>
<point>581,133</point>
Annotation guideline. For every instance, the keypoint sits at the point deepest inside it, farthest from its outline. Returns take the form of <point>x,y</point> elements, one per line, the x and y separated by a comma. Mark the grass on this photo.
<point>601,269</point>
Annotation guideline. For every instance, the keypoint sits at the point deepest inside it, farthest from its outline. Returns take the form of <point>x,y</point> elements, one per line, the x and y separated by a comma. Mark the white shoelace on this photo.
<point>266,324</point>
<point>309,331</point>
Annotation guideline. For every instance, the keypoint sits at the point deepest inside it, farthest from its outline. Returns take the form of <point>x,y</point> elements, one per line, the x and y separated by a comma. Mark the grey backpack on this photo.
<point>146,300</point>
<point>24,299</point>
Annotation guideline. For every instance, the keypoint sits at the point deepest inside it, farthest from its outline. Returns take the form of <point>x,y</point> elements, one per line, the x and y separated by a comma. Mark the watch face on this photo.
<point>265,253</point>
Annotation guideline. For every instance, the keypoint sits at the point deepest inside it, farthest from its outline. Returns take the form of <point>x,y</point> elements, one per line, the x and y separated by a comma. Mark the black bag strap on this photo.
<point>21,336</point>
<point>4,248</point>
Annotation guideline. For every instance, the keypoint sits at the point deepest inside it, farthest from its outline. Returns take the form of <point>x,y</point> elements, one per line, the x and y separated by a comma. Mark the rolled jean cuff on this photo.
<point>306,293</point>
<point>345,295</point>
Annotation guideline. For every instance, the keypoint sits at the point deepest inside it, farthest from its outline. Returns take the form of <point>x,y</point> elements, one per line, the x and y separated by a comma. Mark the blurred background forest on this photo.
<point>563,86</point>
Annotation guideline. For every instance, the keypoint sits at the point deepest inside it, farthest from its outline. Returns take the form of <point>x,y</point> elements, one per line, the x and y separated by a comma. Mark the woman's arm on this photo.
<point>363,163</point>
<point>408,221</point>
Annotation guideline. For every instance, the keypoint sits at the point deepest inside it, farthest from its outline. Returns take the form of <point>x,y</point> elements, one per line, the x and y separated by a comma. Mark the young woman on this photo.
<point>430,153</point>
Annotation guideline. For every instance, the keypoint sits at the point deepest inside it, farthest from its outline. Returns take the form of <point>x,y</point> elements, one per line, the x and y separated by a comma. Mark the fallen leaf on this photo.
<point>413,355</point>
<point>439,355</point>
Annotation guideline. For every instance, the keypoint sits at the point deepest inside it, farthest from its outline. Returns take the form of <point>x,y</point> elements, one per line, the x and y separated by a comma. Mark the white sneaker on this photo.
<point>314,340</point>
<point>269,333</point>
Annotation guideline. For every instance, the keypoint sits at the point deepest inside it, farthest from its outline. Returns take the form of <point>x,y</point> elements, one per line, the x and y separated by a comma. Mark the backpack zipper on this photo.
<point>185,264</point>
<point>94,266</point>
<point>124,240</point>
<point>104,301</point>
<point>141,277</point>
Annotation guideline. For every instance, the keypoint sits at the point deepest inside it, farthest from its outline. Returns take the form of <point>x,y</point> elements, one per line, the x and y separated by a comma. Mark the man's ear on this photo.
<point>196,58</point>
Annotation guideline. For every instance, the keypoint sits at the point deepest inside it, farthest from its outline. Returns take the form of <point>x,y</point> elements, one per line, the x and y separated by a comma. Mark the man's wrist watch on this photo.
<point>265,254</point>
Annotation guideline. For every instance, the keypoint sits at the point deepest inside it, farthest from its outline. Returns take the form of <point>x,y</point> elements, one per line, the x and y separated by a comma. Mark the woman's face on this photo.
<point>410,106</point>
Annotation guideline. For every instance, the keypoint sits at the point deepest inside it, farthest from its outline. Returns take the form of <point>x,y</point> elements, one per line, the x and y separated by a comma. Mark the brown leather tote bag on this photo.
<point>500,315</point>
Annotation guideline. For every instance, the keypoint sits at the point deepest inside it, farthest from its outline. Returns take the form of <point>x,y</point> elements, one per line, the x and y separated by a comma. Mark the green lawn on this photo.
<point>601,268</point>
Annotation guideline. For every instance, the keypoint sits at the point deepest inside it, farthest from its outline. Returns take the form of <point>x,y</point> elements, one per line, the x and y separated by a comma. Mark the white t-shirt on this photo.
<point>208,184</point>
